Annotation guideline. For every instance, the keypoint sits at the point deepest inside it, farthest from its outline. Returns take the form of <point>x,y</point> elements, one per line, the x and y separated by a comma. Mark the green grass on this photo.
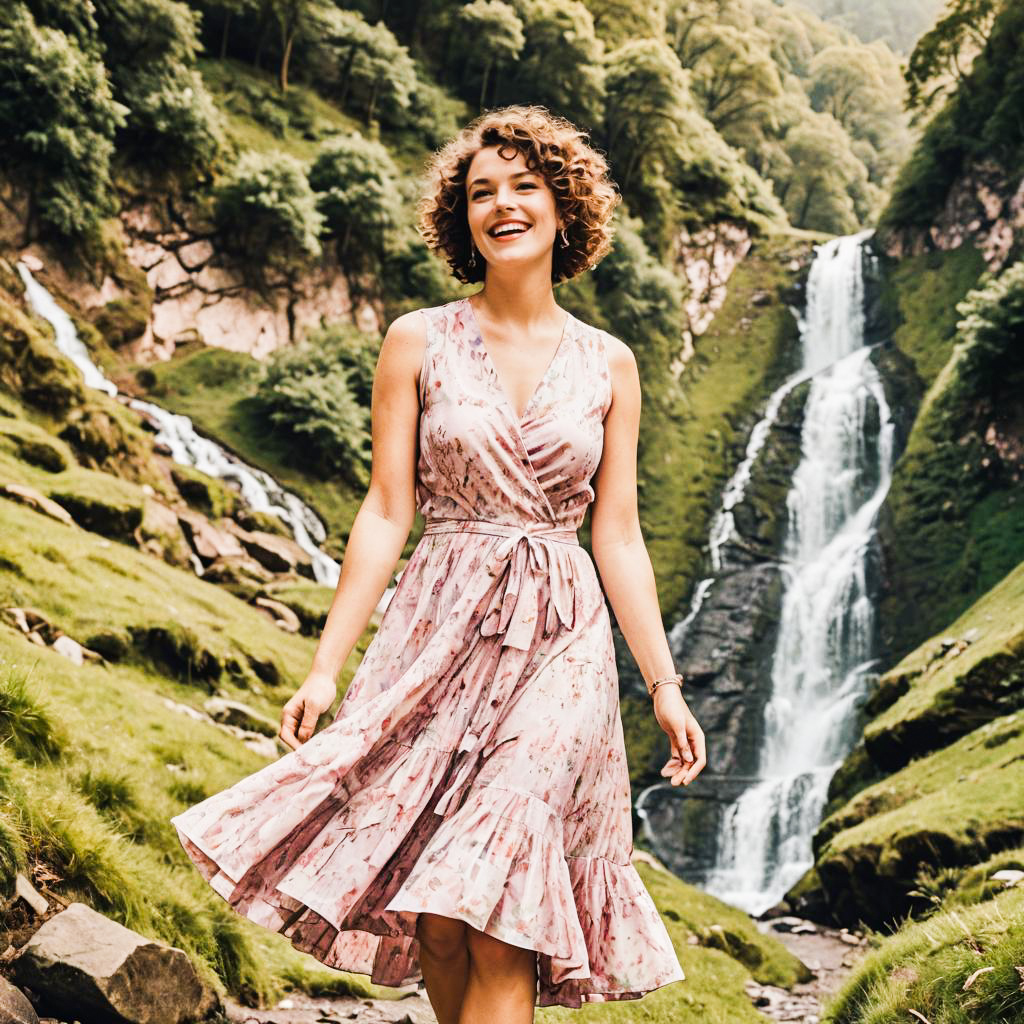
<point>948,693</point>
<point>953,808</point>
<point>925,966</point>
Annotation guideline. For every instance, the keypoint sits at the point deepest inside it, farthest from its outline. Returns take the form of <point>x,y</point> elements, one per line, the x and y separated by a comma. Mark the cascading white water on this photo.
<point>823,655</point>
<point>189,448</point>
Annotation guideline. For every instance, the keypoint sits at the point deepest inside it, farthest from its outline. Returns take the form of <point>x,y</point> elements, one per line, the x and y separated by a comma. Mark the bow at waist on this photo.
<point>532,579</point>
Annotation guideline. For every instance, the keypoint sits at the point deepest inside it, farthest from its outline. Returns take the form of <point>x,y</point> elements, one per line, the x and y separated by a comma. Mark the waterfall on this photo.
<point>190,448</point>
<point>822,661</point>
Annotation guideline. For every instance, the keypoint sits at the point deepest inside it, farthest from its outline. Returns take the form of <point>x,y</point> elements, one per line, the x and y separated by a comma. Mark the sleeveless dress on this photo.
<point>476,766</point>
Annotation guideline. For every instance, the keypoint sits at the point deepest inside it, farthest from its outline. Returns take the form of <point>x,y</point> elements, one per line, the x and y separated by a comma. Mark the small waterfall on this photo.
<point>822,662</point>
<point>189,448</point>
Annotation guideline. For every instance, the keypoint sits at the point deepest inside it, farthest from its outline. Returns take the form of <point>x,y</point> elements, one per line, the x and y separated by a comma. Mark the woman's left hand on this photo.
<point>689,755</point>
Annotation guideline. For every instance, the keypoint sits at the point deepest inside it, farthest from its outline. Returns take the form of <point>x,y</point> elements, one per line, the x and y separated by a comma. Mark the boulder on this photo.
<point>25,495</point>
<point>93,969</point>
<point>233,712</point>
<point>14,1006</point>
<point>160,534</point>
<point>273,552</point>
<point>281,614</point>
<point>208,542</point>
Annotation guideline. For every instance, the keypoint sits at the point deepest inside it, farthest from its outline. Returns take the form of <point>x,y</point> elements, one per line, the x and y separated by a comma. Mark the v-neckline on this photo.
<point>520,419</point>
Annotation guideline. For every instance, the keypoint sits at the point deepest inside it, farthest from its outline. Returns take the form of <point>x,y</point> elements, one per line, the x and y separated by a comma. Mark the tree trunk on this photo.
<point>812,189</point>
<point>483,88</point>
<point>285,58</point>
<point>224,36</point>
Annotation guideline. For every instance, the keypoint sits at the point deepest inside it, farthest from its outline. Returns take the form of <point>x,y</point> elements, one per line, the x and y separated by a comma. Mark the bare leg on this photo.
<point>502,985</point>
<point>444,961</point>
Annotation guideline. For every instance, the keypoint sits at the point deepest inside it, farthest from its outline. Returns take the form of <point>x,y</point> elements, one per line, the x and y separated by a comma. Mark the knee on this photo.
<point>441,938</point>
<point>497,957</point>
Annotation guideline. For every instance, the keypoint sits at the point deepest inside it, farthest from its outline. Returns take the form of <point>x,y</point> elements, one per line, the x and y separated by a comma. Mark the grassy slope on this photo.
<point>926,965</point>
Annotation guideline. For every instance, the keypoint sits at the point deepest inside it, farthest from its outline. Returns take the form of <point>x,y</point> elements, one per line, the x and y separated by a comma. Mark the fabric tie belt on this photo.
<point>530,580</point>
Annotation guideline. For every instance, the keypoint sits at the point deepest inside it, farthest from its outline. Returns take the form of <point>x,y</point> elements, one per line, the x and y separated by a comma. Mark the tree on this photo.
<point>943,55</point>
<point>59,120</point>
<point>498,35</point>
<point>362,64</point>
<point>150,48</point>
<point>561,64</point>
<point>356,186</point>
<point>265,213</point>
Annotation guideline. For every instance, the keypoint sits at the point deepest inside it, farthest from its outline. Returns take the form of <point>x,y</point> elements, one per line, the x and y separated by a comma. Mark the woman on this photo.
<point>466,815</point>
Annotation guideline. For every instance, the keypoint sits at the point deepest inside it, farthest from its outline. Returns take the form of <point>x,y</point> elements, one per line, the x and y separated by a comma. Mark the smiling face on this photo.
<point>511,210</point>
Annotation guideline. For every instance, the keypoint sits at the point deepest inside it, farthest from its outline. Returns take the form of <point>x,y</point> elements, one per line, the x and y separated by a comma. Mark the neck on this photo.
<point>518,297</point>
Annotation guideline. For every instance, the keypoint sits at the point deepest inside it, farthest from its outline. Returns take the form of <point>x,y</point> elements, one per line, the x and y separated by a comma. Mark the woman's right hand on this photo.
<point>300,715</point>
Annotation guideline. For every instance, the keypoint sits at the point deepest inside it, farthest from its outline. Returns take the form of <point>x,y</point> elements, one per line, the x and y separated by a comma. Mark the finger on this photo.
<point>309,720</point>
<point>694,771</point>
<point>683,746</point>
<point>289,720</point>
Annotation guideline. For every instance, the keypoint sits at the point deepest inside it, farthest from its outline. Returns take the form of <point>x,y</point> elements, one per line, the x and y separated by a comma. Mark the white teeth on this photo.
<point>516,230</point>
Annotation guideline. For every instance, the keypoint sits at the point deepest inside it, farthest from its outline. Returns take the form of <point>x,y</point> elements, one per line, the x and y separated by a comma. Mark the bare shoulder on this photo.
<point>621,364</point>
<point>404,344</point>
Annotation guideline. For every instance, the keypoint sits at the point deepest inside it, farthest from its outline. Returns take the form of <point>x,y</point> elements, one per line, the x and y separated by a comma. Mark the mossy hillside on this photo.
<point>712,992</point>
<point>214,388</point>
<point>951,685</point>
<point>93,824</point>
<point>953,808</point>
<point>962,964</point>
<point>951,528</point>
<point>129,604</point>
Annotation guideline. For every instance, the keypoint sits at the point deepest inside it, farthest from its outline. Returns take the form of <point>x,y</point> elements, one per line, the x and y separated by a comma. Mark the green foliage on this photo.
<point>150,48</point>
<point>560,66</point>
<point>980,122</point>
<point>939,58</point>
<point>318,392</point>
<point>992,332</point>
<point>58,118</point>
<point>362,67</point>
<point>26,726</point>
<point>498,31</point>
<point>266,215</point>
<point>356,183</point>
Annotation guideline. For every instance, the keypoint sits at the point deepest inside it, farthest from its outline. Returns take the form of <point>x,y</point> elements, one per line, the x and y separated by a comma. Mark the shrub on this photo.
<point>319,393</point>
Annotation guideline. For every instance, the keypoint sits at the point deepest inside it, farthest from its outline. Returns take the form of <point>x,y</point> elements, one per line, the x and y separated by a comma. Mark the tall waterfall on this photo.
<point>188,447</point>
<point>822,661</point>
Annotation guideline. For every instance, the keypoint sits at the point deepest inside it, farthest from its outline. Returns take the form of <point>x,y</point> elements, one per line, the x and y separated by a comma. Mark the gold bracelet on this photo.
<point>676,678</point>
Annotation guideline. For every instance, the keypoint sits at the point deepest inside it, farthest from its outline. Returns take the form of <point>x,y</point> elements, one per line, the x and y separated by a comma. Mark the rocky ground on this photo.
<point>830,953</point>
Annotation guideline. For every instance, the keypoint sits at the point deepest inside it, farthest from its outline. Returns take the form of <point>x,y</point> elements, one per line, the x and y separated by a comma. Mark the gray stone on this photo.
<point>84,965</point>
<point>14,1005</point>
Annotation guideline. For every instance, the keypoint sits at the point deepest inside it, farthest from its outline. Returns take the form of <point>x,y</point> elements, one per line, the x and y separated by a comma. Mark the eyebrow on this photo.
<point>518,174</point>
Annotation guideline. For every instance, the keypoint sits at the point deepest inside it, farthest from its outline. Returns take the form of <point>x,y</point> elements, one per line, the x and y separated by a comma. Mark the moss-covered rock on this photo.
<point>954,808</point>
<point>969,674</point>
<point>32,444</point>
<point>100,502</point>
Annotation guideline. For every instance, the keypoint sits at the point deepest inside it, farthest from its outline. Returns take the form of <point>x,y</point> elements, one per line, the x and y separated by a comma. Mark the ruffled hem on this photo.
<point>496,862</point>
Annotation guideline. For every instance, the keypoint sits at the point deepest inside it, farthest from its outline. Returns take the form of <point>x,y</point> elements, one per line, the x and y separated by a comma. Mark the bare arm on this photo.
<point>381,526</point>
<point>625,567</point>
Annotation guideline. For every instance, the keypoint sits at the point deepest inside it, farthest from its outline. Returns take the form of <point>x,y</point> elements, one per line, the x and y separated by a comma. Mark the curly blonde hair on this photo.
<point>576,172</point>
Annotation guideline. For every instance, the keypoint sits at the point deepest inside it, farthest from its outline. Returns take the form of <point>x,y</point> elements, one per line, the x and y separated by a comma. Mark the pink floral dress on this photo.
<point>475,767</point>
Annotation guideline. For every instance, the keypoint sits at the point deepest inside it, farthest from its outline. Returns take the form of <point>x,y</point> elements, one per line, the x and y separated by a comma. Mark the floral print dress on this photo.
<point>475,767</point>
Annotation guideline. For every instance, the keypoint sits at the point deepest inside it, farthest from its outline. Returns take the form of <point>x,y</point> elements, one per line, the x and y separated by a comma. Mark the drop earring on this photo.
<point>472,254</point>
<point>565,241</point>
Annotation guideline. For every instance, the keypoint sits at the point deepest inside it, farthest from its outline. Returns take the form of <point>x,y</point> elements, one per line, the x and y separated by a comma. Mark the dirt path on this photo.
<point>828,952</point>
